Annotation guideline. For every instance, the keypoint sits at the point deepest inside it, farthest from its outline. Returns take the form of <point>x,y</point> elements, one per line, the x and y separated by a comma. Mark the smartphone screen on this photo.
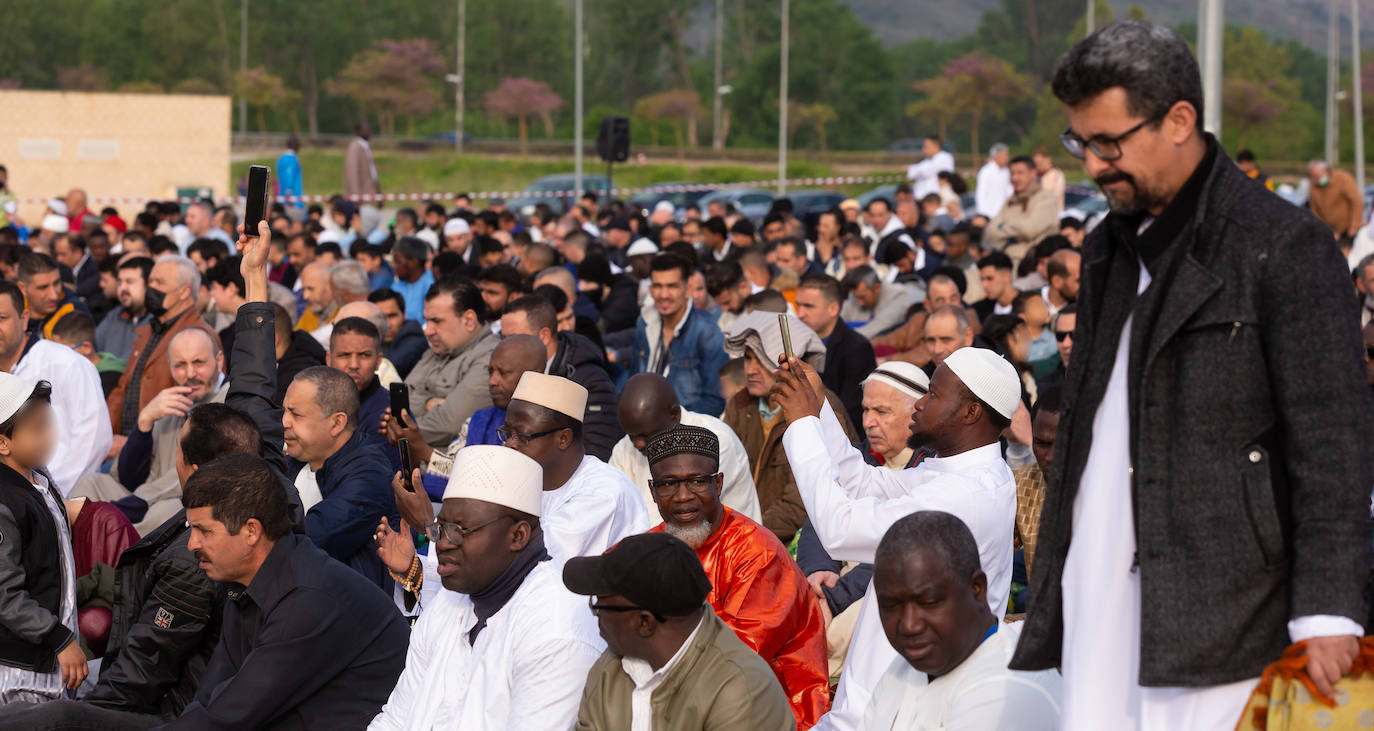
<point>400,399</point>
<point>406,466</point>
<point>255,209</point>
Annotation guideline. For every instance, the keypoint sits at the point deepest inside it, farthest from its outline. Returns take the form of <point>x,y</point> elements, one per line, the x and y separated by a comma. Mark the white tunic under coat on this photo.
<point>526,670</point>
<point>591,512</point>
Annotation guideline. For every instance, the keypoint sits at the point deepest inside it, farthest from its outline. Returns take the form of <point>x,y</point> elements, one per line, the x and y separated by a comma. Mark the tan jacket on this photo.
<point>1027,218</point>
<point>358,167</point>
<point>718,684</point>
<point>157,373</point>
<point>1339,203</point>
<point>781,503</point>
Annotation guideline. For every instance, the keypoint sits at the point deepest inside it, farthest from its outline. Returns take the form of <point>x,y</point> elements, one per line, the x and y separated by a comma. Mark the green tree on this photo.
<point>263,90</point>
<point>392,78</point>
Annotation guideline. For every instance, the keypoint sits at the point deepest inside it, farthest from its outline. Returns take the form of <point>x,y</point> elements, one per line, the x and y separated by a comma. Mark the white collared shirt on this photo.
<point>647,680</point>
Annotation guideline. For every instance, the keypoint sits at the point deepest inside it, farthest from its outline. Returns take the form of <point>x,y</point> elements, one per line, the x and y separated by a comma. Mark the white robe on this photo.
<point>981,694</point>
<point>79,414</point>
<point>737,493</point>
<point>526,670</point>
<point>1101,650</point>
<point>994,188</point>
<point>851,504</point>
<point>925,175</point>
<point>591,512</point>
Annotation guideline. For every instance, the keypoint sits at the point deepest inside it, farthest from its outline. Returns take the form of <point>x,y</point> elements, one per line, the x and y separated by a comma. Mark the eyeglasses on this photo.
<point>454,533</point>
<point>1060,335</point>
<point>507,434</point>
<point>697,484</point>
<point>1106,148</point>
<point>597,609</point>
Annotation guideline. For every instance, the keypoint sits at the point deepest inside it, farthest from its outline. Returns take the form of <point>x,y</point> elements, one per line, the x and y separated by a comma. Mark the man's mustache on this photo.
<point>1113,177</point>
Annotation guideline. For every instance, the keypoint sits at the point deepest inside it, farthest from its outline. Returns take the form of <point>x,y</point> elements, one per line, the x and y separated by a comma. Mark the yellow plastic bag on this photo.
<point>1286,699</point>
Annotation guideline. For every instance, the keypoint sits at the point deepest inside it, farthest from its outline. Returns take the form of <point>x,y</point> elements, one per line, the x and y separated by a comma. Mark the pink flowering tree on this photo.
<point>522,98</point>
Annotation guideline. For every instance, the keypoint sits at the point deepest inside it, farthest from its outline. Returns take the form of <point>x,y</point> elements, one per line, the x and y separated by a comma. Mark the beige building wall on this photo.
<point>112,145</point>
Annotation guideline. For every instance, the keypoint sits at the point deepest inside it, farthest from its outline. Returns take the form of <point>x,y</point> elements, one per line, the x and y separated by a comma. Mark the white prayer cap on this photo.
<point>496,475</point>
<point>552,392</point>
<point>455,227</point>
<point>55,223</point>
<point>989,376</point>
<point>904,377</point>
<point>14,391</point>
<point>665,207</point>
<point>326,236</point>
<point>641,246</point>
<point>58,206</point>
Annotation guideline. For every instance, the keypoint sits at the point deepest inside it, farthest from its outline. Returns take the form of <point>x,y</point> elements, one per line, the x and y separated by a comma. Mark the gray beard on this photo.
<point>694,535</point>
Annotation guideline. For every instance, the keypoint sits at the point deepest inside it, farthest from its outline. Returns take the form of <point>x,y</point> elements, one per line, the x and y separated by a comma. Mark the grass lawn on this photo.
<point>403,172</point>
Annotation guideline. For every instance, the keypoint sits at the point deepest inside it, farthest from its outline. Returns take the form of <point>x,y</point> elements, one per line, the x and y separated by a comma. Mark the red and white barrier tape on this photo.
<point>486,195</point>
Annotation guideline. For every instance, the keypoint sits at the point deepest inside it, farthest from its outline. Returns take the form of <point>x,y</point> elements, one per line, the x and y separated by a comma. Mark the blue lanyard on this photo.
<point>991,631</point>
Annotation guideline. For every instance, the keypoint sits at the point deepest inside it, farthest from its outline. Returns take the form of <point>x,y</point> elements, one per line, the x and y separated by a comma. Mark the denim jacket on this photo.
<point>695,357</point>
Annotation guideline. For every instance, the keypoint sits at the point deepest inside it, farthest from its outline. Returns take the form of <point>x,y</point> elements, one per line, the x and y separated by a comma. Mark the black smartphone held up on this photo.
<point>400,399</point>
<point>255,209</point>
<point>406,466</point>
<point>786,335</point>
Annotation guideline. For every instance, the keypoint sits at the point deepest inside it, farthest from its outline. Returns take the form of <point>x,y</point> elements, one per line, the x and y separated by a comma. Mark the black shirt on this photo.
<point>310,643</point>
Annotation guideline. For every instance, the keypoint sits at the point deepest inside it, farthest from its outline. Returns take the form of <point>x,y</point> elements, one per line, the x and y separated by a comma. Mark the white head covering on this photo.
<point>904,377</point>
<point>55,223</point>
<point>14,391</point>
<point>641,246</point>
<point>989,376</point>
<point>58,206</point>
<point>456,226</point>
<point>759,331</point>
<point>497,475</point>
<point>665,207</point>
<point>552,392</point>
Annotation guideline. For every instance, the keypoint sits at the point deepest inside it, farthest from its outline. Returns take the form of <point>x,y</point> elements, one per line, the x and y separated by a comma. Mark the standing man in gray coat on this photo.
<point>360,170</point>
<point>1209,497</point>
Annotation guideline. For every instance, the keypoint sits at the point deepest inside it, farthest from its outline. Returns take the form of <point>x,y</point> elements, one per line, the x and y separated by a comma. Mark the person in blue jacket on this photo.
<point>290,180</point>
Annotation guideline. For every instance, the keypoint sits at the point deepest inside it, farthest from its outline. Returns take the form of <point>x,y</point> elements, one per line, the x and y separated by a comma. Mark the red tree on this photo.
<point>523,98</point>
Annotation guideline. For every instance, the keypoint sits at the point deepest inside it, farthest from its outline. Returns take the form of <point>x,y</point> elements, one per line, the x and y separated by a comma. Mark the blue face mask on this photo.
<point>1323,180</point>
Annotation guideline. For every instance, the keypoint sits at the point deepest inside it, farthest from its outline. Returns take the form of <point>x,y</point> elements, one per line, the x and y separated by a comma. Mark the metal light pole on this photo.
<point>1333,70</point>
<point>1211,67</point>
<point>782,103</point>
<point>1356,93</point>
<point>717,140</point>
<point>458,83</point>
<point>1092,18</point>
<point>243,66</point>
<point>577,97</point>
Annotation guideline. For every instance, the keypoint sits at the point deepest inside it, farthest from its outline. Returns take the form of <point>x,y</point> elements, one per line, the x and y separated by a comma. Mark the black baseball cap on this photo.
<point>655,571</point>
<point>618,223</point>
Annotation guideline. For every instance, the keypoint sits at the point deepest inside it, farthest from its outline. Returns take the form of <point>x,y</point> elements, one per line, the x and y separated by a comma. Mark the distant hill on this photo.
<point>899,21</point>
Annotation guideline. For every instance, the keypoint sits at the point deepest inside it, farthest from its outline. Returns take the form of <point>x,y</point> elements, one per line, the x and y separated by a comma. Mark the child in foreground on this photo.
<point>39,651</point>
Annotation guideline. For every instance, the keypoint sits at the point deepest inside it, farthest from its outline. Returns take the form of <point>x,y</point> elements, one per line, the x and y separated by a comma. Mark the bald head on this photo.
<point>525,351</point>
<point>317,288</point>
<point>648,405</point>
<point>368,311</point>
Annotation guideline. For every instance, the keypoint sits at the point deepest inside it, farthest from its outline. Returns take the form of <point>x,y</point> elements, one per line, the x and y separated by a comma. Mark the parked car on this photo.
<point>651,196</point>
<point>548,185</point>
<point>751,203</point>
<point>883,191</point>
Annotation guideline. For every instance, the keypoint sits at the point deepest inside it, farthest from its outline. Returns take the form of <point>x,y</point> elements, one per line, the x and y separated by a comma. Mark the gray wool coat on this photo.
<point>1252,429</point>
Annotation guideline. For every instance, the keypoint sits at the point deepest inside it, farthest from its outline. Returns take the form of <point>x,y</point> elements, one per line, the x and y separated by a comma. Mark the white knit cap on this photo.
<point>496,475</point>
<point>665,207</point>
<point>989,376</point>
<point>58,206</point>
<point>905,377</point>
<point>455,227</point>
<point>14,391</point>
<point>642,246</point>
<point>552,392</point>
<point>55,223</point>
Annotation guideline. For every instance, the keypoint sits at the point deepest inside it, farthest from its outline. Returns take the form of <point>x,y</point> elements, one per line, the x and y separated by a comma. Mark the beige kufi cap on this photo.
<point>497,475</point>
<point>552,392</point>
